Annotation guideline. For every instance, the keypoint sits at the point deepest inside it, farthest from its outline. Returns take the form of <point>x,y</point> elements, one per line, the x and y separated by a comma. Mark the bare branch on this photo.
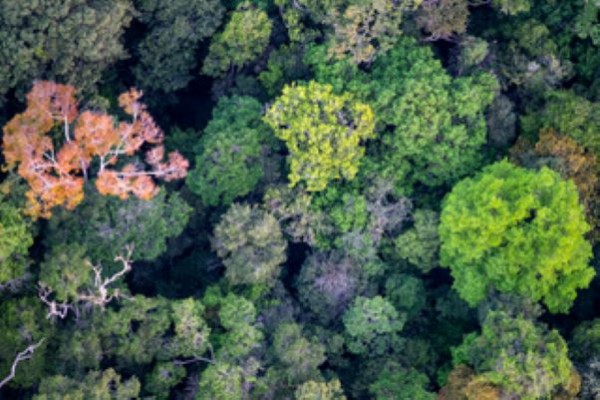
<point>99,295</point>
<point>22,356</point>
<point>55,309</point>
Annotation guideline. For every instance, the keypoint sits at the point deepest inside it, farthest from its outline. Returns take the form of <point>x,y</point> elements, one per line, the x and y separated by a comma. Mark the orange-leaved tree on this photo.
<point>93,142</point>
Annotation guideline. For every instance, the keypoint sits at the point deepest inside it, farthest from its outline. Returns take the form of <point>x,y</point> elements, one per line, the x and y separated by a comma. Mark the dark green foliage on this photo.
<point>23,322</point>
<point>395,382</point>
<point>420,245</point>
<point>229,162</point>
<point>569,115</point>
<point>71,41</point>
<point>15,240</point>
<point>105,225</point>
<point>168,53</point>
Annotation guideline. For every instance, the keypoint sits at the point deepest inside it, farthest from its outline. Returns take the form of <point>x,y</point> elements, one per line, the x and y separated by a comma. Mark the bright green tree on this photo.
<point>522,358</point>
<point>245,37</point>
<point>323,132</point>
<point>516,231</point>
<point>228,164</point>
<point>251,245</point>
<point>167,54</point>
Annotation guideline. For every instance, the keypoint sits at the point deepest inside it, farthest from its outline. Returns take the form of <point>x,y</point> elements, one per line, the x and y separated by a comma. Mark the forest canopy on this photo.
<point>300,199</point>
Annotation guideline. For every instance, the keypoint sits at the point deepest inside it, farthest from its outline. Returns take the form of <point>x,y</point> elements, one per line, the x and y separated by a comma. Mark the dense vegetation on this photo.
<point>300,199</point>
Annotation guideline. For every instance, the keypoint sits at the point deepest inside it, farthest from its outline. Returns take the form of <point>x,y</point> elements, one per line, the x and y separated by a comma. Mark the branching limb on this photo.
<point>22,356</point>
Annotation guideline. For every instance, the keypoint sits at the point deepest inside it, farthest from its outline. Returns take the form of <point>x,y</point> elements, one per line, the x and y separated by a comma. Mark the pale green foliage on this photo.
<point>370,325</point>
<point>72,41</point>
<point>97,385</point>
<point>168,52</point>
<point>191,331</point>
<point>512,7</point>
<point>221,381</point>
<point>313,390</point>
<point>323,133</point>
<point>420,244</point>
<point>230,152</point>
<point>244,38</point>
<point>251,245</point>
<point>524,359</point>
<point>516,231</point>
<point>365,29</point>
<point>299,356</point>
<point>15,239</point>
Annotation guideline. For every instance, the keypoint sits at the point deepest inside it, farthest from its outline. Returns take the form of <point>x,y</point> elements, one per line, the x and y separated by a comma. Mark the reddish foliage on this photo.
<point>56,176</point>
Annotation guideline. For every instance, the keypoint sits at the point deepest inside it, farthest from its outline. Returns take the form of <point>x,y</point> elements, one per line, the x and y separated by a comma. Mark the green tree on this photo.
<point>328,283</point>
<point>432,126</point>
<point>420,244</point>
<point>23,322</point>
<point>245,37</point>
<point>163,378</point>
<point>167,54</point>
<point>229,160</point>
<point>516,231</point>
<point>71,41</point>
<point>397,383</point>
<point>221,381</point>
<point>313,390</point>
<point>522,358</point>
<point>105,225</point>
<point>322,131</point>
<point>101,385</point>
<point>299,356</point>
<point>568,114</point>
<point>370,325</point>
<point>66,270</point>
<point>443,19</point>
<point>15,240</point>
<point>251,245</point>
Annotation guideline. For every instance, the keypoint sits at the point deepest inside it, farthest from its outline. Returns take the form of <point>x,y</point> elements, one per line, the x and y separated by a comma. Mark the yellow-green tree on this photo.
<point>323,132</point>
<point>516,231</point>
